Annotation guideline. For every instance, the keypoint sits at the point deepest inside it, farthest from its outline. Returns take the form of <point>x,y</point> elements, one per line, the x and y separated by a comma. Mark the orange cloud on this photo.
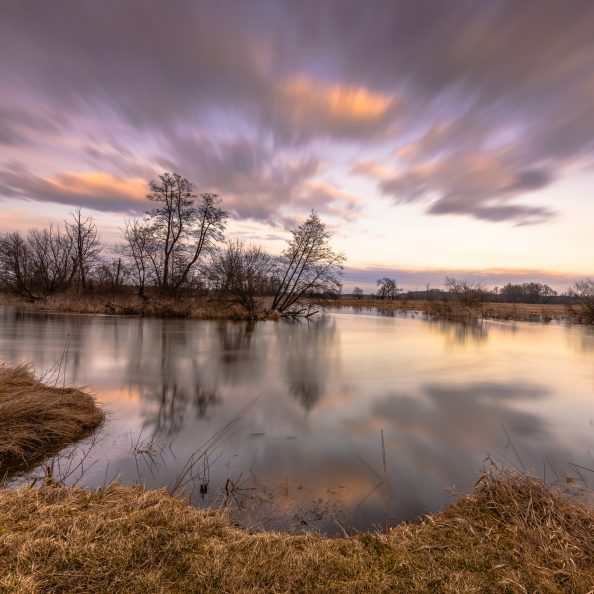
<point>96,183</point>
<point>94,189</point>
<point>339,101</point>
<point>371,169</point>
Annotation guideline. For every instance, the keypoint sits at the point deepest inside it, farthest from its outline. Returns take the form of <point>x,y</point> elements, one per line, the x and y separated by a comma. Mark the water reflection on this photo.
<point>462,332</point>
<point>582,341</point>
<point>176,403</point>
<point>307,403</point>
<point>306,362</point>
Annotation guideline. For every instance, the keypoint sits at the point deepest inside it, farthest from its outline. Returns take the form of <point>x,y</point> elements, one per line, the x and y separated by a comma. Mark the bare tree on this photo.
<point>15,265</point>
<point>42,264</point>
<point>83,233</point>
<point>583,291</point>
<point>308,267</point>
<point>141,251</point>
<point>53,258</point>
<point>184,227</point>
<point>242,272</point>
<point>358,293</point>
<point>387,288</point>
<point>111,275</point>
<point>468,293</point>
<point>527,293</point>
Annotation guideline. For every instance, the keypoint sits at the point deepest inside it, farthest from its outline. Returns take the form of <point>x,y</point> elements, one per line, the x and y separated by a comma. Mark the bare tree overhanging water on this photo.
<point>309,267</point>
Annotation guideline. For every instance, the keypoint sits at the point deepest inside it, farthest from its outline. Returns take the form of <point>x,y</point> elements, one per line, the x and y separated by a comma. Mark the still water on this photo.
<point>282,421</point>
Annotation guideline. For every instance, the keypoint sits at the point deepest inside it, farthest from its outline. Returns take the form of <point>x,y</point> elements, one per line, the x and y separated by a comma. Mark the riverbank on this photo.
<point>206,308</point>
<point>512,534</point>
<point>195,308</point>
<point>37,420</point>
<point>521,312</point>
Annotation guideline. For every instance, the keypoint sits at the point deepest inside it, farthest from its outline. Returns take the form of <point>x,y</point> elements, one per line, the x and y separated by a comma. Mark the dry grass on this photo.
<point>37,420</point>
<point>197,308</point>
<point>452,310</point>
<point>512,535</point>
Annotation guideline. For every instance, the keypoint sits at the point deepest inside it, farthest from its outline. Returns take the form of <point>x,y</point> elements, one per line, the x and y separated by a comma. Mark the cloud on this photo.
<point>473,77</point>
<point>19,126</point>
<point>481,185</point>
<point>96,190</point>
<point>325,198</point>
<point>254,180</point>
<point>131,86</point>
<point>411,278</point>
<point>305,108</point>
<point>371,169</point>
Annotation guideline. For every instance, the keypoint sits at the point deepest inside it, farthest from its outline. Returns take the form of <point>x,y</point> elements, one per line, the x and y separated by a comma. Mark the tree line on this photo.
<point>466,291</point>
<point>177,248</point>
<point>474,293</point>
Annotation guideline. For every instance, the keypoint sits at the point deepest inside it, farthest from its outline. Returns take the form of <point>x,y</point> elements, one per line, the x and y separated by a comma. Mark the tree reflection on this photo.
<point>462,333</point>
<point>177,403</point>
<point>204,399</point>
<point>169,417</point>
<point>308,350</point>
<point>235,341</point>
<point>306,393</point>
<point>182,393</point>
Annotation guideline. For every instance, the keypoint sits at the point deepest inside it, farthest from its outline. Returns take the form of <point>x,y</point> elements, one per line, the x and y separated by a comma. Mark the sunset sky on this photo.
<point>434,137</point>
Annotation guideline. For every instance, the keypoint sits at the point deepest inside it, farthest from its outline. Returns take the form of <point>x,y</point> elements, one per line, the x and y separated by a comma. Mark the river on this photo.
<point>282,422</point>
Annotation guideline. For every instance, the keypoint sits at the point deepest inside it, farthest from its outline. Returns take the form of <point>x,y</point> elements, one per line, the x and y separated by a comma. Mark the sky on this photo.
<point>434,138</point>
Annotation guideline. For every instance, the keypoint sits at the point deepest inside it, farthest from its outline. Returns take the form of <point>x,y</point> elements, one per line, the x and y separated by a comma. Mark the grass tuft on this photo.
<point>37,420</point>
<point>512,534</point>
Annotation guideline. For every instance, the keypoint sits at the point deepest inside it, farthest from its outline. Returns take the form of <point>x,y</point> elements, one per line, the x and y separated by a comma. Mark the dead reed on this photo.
<point>37,420</point>
<point>511,535</point>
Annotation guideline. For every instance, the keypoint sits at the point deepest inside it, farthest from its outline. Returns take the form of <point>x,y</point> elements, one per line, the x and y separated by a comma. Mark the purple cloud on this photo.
<point>248,98</point>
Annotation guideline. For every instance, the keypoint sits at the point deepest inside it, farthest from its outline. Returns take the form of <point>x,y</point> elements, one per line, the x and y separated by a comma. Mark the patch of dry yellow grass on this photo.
<point>196,308</point>
<point>539,312</point>
<point>512,535</point>
<point>37,420</point>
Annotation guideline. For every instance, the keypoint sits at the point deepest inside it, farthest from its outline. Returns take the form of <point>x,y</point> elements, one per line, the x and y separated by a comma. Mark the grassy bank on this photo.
<point>38,420</point>
<point>205,308</point>
<point>451,310</point>
<point>198,308</point>
<point>511,535</point>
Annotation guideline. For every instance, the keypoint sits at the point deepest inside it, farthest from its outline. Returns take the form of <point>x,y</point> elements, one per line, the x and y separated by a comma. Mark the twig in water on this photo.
<point>577,471</point>
<point>386,486</point>
<point>513,447</point>
<point>186,475</point>
<point>582,467</point>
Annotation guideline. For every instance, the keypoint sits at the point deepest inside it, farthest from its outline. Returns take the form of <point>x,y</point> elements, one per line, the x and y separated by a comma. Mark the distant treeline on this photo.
<point>476,293</point>
<point>510,293</point>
